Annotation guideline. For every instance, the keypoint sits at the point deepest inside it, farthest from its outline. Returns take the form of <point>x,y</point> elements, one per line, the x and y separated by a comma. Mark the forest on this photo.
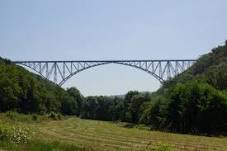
<point>193,102</point>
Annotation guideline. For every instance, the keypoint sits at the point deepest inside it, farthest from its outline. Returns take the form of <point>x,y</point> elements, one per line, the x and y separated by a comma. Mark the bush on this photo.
<point>59,116</point>
<point>55,116</point>
<point>12,115</point>
<point>34,117</point>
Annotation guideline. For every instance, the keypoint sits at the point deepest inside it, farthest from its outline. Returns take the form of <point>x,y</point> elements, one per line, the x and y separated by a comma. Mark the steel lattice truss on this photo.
<point>60,71</point>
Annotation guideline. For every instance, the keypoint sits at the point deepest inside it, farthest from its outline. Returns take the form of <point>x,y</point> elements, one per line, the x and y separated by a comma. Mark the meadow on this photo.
<point>71,133</point>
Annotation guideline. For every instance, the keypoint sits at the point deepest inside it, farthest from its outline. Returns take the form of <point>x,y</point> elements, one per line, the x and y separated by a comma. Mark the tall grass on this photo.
<point>14,116</point>
<point>40,145</point>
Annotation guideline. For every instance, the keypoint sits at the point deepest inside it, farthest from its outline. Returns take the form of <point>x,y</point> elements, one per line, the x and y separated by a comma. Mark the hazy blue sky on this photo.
<point>111,29</point>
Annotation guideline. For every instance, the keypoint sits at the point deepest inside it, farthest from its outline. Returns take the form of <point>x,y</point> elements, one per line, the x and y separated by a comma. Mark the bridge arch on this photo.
<point>76,72</point>
<point>60,71</point>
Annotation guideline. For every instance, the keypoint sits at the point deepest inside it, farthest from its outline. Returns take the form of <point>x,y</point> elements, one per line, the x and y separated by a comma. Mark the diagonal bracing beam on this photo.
<point>60,71</point>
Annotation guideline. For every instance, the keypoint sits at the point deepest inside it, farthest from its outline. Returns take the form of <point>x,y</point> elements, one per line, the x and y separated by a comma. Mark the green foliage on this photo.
<point>12,115</point>
<point>195,101</point>
<point>133,106</point>
<point>16,135</point>
<point>55,116</point>
<point>196,107</point>
<point>25,92</point>
<point>15,116</point>
<point>155,112</point>
<point>217,77</point>
<point>76,100</point>
<point>39,145</point>
<point>3,133</point>
<point>113,108</point>
<point>34,117</point>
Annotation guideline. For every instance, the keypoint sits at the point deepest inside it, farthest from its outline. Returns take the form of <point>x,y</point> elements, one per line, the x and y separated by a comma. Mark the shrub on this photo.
<point>52,115</point>
<point>59,116</point>
<point>34,117</point>
<point>55,116</point>
<point>12,115</point>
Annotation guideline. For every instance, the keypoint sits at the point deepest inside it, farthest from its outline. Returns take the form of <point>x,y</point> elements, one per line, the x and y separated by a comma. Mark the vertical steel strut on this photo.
<point>60,71</point>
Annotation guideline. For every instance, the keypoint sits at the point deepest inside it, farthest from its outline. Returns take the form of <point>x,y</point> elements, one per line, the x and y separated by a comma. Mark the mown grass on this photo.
<point>40,145</point>
<point>72,133</point>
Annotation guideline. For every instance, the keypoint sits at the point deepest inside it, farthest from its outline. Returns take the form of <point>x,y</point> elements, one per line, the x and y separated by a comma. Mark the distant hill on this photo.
<point>210,68</point>
<point>194,101</point>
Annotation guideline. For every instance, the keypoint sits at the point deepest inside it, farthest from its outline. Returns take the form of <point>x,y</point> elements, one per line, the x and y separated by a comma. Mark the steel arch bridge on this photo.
<point>60,71</point>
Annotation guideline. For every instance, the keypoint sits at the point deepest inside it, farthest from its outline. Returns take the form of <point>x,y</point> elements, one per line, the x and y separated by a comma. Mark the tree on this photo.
<point>77,98</point>
<point>69,106</point>
<point>135,107</point>
<point>196,107</point>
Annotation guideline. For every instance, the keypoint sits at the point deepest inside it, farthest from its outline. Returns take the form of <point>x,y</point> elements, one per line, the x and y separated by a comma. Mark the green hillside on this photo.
<point>25,92</point>
<point>210,68</point>
<point>194,101</point>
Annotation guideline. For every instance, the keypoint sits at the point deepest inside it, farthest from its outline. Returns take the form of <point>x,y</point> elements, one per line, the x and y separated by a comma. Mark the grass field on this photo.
<point>108,136</point>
